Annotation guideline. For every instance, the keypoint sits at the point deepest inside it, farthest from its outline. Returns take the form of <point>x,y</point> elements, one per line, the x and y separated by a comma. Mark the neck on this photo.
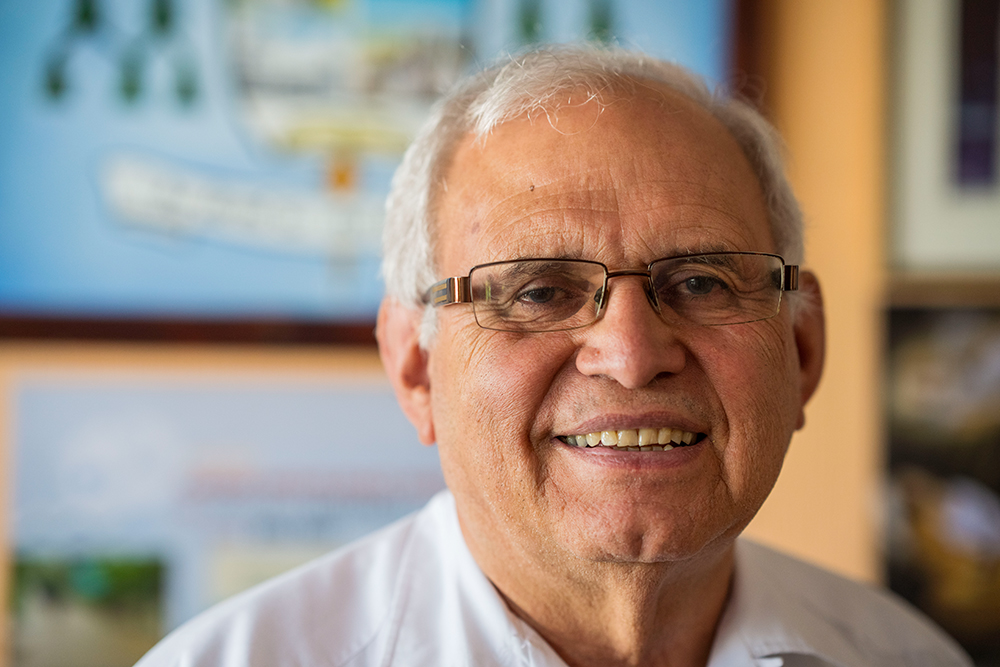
<point>611,613</point>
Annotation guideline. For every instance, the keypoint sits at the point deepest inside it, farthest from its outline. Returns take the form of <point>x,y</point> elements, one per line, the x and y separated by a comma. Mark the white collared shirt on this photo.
<point>411,595</point>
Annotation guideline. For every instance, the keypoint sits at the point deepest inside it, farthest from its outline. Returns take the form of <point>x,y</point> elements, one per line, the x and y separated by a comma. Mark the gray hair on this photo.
<point>537,82</point>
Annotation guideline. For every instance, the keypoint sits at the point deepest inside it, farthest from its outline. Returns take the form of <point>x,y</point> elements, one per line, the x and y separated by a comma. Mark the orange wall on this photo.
<point>824,67</point>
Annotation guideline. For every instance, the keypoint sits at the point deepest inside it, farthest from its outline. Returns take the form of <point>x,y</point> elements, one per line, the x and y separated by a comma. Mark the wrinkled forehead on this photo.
<point>632,170</point>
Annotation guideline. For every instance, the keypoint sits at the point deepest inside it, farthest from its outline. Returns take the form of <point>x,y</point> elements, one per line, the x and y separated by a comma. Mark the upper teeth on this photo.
<point>632,438</point>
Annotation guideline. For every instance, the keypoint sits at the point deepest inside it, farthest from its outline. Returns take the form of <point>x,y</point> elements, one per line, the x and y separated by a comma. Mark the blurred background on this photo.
<point>190,209</point>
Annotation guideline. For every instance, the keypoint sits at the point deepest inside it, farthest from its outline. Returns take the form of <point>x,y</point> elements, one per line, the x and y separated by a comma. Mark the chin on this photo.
<point>605,541</point>
<point>646,533</point>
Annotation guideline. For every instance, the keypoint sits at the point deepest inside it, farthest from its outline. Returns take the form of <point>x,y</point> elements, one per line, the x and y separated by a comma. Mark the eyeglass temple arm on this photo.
<point>449,291</point>
<point>790,278</point>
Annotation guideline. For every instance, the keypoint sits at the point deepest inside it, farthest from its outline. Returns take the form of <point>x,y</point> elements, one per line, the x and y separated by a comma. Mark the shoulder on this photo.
<point>846,619</point>
<point>330,611</point>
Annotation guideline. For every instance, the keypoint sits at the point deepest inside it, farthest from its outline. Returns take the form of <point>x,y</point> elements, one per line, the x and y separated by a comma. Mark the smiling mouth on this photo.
<point>636,440</point>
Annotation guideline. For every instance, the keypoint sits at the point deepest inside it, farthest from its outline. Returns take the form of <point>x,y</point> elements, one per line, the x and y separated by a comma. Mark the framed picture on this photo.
<point>946,133</point>
<point>146,486</point>
<point>187,170</point>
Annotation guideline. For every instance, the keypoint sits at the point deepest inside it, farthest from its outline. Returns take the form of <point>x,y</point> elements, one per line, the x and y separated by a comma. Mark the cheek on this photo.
<point>486,391</point>
<point>758,388</point>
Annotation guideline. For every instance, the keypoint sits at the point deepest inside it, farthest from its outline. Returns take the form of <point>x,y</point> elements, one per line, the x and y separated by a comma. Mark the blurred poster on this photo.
<point>978,127</point>
<point>944,462</point>
<point>139,502</point>
<point>85,612</point>
<point>209,159</point>
<point>214,159</point>
<point>946,132</point>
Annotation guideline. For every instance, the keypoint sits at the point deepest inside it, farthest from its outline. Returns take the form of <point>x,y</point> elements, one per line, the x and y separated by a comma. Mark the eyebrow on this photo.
<point>703,248</point>
<point>680,251</point>
<point>517,266</point>
<point>518,269</point>
<point>712,258</point>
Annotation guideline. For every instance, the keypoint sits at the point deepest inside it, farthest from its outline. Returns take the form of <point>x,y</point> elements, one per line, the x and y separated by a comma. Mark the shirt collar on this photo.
<point>765,623</point>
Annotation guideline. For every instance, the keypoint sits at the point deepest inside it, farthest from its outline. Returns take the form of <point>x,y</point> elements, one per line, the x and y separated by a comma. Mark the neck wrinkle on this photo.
<point>611,614</point>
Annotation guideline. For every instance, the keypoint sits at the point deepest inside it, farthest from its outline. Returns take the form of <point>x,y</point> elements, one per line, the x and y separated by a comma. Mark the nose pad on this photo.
<point>651,297</point>
<point>600,299</point>
<point>601,296</point>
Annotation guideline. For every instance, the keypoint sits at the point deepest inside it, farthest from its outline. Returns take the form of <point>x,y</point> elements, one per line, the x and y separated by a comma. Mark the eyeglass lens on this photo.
<point>554,295</point>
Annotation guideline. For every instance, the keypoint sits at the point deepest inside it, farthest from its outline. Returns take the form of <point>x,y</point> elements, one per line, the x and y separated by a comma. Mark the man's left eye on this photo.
<point>538,295</point>
<point>702,284</point>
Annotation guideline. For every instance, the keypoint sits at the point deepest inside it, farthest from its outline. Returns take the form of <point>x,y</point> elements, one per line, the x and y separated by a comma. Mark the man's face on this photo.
<point>644,178</point>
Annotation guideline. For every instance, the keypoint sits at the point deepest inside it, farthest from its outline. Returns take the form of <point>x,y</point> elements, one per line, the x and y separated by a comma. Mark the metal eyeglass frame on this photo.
<point>457,289</point>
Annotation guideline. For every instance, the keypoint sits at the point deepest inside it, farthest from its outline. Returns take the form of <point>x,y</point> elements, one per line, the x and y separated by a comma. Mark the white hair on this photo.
<point>538,81</point>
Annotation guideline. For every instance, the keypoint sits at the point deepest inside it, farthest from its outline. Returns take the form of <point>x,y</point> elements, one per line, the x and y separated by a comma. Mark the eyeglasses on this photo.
<point>538,295</point>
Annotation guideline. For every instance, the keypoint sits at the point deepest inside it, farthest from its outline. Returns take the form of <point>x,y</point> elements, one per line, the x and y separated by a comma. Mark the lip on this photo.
<point>611,457</point>
<point>608,422</point>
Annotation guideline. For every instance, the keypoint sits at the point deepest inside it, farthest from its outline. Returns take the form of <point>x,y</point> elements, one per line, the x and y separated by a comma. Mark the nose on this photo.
<point>631,343</point>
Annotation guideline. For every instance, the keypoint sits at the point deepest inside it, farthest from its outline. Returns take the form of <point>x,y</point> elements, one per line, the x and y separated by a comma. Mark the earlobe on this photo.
<point>398,334</point>
<point>810,339</point>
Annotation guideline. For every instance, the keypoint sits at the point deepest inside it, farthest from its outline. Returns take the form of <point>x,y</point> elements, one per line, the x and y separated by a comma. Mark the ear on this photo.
<point>810,339</point>
<point>398,334</point>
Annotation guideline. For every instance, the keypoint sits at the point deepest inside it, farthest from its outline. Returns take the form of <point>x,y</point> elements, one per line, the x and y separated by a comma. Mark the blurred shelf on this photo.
<point>944,290</point>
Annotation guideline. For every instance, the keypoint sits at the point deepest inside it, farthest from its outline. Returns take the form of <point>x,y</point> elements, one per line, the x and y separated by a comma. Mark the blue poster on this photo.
<point>171,494</point>
<point>230,158</point>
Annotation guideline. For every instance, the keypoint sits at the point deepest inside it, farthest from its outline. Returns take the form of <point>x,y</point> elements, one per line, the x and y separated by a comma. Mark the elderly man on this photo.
<point>595,310</point>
